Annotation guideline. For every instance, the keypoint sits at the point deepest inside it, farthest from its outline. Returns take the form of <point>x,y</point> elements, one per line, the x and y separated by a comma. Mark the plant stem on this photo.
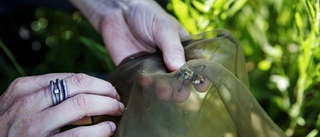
<point>12,58</point>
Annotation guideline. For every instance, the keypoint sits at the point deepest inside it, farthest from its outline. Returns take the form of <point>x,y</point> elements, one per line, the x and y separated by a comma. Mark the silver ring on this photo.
<point>64,88</point>
<point>54,99</point>
<point>59,91</point>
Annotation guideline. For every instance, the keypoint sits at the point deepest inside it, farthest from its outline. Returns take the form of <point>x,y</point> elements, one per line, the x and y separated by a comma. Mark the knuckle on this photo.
<point>69,74</point>
<point>82,101</point>
<point>18,83</point>
<point>81,80</point>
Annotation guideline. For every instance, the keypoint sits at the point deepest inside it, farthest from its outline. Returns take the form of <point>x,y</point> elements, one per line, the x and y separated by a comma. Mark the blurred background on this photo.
<point>280,38</point>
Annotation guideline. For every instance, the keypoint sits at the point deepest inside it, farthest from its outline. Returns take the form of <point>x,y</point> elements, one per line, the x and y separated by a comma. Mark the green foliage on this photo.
<point>68,41</point>
<point>281,42</point>
<point>74,45</point>
<point>98,50</point>
<point>12,58</point>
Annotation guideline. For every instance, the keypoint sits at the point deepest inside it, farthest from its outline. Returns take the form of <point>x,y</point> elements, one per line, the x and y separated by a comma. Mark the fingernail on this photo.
<point>178,63</point>
<point>113,126</point>
<point>121,106</point>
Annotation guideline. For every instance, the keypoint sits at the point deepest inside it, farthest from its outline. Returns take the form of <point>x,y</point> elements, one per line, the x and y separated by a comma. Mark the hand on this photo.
<point>26,108</point>
<point>133,26</point>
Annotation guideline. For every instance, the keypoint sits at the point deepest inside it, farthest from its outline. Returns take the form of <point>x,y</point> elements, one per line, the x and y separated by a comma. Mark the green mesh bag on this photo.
<point>207,97</point>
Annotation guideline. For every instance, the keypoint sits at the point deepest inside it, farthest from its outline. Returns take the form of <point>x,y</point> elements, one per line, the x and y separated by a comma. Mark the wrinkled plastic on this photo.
<point>209,96</point>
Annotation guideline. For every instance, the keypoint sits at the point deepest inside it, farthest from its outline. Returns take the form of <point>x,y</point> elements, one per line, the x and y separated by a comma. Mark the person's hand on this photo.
<point>26,108</point>
<point>133,26</point>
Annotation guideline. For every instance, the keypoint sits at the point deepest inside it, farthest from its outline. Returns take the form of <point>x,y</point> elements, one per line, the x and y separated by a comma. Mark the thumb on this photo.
<point>169,43</point>
<point>173,56</point>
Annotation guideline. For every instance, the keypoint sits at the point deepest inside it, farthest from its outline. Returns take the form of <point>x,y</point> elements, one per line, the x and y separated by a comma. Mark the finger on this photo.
<point>24,90</point>
<point>104,129</point>
<point>170,44</point>
<point>163,90</point>
<point>182,95</point>
<point>203,86</point>
<point>145,81</point>
<point>78,107</point>
<point>82,83</point>
<point>168,88</point>
<point>78,84</point>
<point>26,85</point>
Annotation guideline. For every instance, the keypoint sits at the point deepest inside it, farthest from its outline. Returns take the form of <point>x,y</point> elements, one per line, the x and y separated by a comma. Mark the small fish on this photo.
<point>192,75</point>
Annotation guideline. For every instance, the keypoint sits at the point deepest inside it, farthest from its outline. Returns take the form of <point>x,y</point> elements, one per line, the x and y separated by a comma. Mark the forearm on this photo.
<point>95,10</point>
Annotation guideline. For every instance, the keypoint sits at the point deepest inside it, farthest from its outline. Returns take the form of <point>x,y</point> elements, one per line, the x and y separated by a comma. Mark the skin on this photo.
<point>133,25</point>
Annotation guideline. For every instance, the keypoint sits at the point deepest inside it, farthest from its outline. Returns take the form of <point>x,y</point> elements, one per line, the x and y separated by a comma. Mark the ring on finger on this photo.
<point>59,91</point>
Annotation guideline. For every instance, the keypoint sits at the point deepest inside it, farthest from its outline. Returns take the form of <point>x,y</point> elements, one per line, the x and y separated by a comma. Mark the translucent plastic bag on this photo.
<point>209,96</point>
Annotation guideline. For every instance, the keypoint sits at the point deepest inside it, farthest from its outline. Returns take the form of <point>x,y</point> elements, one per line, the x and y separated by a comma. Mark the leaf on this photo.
<point>298,21</point>
<point>199,6</point>
<point>98,50</point>
<point>236,7</point>
<point>13,59</point>
<point>181,11</point>
<point>219,4</point>
<point>311,10</point>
